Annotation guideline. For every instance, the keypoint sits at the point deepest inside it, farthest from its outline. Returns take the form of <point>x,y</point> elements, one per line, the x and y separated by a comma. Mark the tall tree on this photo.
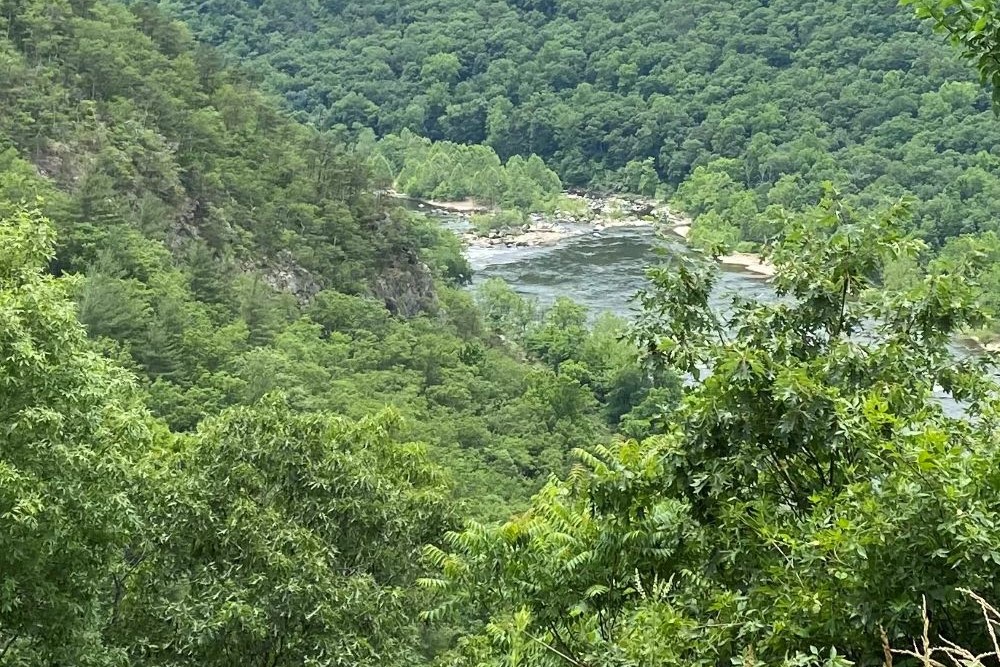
<point>71,434</point>
<point>281,539</point>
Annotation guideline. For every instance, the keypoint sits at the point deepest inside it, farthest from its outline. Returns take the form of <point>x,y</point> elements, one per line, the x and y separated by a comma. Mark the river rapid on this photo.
<point>601,271</point>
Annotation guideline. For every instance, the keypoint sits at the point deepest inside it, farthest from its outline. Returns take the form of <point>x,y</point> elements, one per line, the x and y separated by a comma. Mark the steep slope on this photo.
<point>226,252</point>
<point>131,124</point>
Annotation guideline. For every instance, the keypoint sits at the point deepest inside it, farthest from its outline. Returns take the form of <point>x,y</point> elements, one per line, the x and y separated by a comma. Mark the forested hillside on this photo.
<point>243,284</point>
<point>230,251</point>
<point>787,93</point>
<point>251,415</point>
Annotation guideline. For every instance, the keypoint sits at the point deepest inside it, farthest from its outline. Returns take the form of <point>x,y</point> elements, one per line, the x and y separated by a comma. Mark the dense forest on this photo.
<point>735,110</point>
<point>771,97</point>
<point>250,414</point>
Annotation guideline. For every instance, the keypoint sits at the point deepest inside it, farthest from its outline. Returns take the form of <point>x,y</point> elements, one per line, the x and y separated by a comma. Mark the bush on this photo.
<point>713,234</point>
<point>488,222</point>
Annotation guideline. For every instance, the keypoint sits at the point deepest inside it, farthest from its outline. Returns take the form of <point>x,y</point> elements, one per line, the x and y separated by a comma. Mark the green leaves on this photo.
<point>293,537</point>
<point>973,25</point>
<point>808,491</point>
<point>448,171</point>
<point>72,432</point>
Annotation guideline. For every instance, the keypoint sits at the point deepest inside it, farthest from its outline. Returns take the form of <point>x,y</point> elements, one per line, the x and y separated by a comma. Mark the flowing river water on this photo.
<point>604,271</point>
<point>601,270</point>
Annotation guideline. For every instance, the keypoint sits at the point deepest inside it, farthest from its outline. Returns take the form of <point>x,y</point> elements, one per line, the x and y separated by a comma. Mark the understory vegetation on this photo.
<point>251,414</point>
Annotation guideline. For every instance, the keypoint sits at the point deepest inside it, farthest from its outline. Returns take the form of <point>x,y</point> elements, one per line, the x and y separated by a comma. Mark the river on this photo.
<point>605,271</point>
<point>601,271</point>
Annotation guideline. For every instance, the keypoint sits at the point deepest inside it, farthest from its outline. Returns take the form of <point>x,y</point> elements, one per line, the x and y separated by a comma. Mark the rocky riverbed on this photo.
<point>592,216</point>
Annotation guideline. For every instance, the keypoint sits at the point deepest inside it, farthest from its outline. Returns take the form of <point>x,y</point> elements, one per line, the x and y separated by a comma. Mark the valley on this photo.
<point>429,333</point>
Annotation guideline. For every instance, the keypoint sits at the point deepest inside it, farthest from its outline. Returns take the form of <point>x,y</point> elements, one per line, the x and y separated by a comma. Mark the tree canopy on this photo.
<point>251,414</point>
<point>608,93</point>
<point>734,111</point>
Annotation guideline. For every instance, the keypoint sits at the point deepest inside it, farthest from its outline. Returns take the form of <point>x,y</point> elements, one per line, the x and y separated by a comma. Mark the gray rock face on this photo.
<point>641,209</point>
<point>184,227</point>
<point>285,275</point>
<point>60,162</point>
<point>406,289</point>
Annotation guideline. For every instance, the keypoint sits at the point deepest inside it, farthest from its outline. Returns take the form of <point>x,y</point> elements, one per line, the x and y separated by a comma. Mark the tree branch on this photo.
<point>559,653</point>
<point>7,645</point>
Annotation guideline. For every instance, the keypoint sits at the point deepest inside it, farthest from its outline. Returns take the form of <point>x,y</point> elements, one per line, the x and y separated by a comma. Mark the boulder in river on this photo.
<point>641,209</point>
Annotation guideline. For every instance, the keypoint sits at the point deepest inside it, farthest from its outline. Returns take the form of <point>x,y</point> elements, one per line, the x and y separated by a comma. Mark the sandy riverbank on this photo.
<point>466,206</point>
<point>748,261</point>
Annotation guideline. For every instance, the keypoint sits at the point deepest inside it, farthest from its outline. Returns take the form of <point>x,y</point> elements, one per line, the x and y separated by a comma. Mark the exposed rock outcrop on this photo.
<point>283,273</point>
<point>407,289</point>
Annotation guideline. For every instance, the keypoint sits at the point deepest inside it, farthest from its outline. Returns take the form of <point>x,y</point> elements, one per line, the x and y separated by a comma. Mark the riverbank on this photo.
<point>592,217</point>
<point>750,262</point>
<point>541,233</point>
<point>599,214</point>
<point>462,206</point>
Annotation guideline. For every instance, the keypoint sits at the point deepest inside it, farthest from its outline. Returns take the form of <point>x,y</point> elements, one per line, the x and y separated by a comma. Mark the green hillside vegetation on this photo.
<point>735,111</point>
<point>447,171</point>
<point>230,252</point>
<point>787,94</point>
<point>252,307</point>
<point>251,415</point>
